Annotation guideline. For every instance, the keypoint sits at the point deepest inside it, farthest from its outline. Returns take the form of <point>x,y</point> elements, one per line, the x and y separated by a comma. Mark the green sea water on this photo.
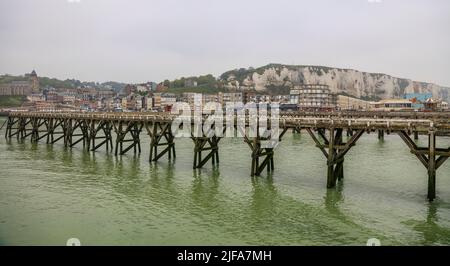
<point>49,194</point>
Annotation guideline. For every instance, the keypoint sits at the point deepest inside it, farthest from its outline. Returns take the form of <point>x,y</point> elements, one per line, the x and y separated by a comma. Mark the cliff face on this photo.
<point>353,82</point>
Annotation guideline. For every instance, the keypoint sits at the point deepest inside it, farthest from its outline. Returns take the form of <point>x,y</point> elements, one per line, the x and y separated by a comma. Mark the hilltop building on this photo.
<point>34,82</point>
<point>190,83</point>
<point>22,87</point>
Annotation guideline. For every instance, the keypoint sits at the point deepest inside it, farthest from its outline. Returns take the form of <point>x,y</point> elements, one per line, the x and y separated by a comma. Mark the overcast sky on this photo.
<point>150,40</point>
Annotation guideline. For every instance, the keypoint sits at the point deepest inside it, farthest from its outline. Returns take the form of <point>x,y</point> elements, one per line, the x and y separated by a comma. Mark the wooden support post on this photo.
<point>202,144</point>
<point>42,122</point>
<point>431,165</point>
<point>427,156</point>
<point>349,132</point>
<point>339,170</point>
<point>57,123</point>
<point>119,135</point>
<point>416,135</point>
<point>331,179</point>
<point>35,124</point>
<point>157,132</point>
<point>71,132</point>
<point>96,127</point>
<point>380,134</point>
<point>22,128</point>
<point>336,151</point>
<point>9,126</point>
<point>134,128</point>
<point>49,130</point>
<point>68,132</point>
<point>260,152</point>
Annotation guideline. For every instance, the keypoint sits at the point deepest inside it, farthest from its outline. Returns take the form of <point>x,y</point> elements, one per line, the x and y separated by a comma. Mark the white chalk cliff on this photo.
<point>352,82</point>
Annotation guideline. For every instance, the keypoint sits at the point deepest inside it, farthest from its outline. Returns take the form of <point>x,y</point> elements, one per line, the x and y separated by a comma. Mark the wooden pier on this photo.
<point>95,130</point>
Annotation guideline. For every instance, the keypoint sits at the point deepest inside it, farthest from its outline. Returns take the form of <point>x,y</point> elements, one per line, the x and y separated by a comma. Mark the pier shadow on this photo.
<point>161,187</point>
<point>264,198</point>
<point>333,198</point>
<point>162,175</point>
<point>205,187</point>
<point>431,230</point>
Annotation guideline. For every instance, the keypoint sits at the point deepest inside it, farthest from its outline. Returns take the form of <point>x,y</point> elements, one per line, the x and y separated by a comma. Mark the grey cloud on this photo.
<point>139,40</point>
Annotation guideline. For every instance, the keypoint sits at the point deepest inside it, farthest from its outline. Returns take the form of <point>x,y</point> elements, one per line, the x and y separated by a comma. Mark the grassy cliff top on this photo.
<point>11,101</point>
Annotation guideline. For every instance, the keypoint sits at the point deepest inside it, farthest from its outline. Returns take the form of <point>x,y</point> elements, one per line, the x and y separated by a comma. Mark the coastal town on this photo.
<point>225,132</point>
<point>156,97</point>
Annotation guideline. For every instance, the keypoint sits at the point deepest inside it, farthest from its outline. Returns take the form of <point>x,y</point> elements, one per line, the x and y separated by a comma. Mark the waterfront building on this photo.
<point>435,105</point>
<point>168,100</point>
<point>225,97</point>
<point>36,97</point>
<point>124,102</point>
<point>351,103</point>
<point>105,93</point>
<point>248,96</point>
<point>281,99</point>
<point>210,98</point>
<point>263,98</point>
<point>418,99</point>
<point>147,103</point>
<point>138,102</point>
<point>189,97</point>
<point>391,105</point>
<point>45,106</point>
<point>313,96</point>
<point>156,101</point>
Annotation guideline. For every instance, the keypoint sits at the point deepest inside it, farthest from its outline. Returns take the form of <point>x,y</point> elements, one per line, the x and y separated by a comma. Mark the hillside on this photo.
<point>11,101</point>
<point>67,83</point>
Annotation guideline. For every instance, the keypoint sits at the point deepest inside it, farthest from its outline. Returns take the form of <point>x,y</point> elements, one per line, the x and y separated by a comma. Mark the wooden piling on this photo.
<point>160,135</point>
<point>431,165</point>
<point>380,134</point>
<point>205,144</point>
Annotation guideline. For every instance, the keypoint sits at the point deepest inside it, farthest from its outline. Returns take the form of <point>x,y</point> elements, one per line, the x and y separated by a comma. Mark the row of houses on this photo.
<point>88,99</point>
<point>141,97</point>
<point>317,96</point>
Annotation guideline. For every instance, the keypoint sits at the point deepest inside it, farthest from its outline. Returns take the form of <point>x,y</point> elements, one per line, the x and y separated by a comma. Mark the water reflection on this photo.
<point>205,187</point>
<point>264,197</point>
<point>430,229</point>
<point>334,198</point>
<point>163,174</point>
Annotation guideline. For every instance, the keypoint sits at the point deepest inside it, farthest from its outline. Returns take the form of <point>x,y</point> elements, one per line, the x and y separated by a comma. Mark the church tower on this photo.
<point>34,82</point>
